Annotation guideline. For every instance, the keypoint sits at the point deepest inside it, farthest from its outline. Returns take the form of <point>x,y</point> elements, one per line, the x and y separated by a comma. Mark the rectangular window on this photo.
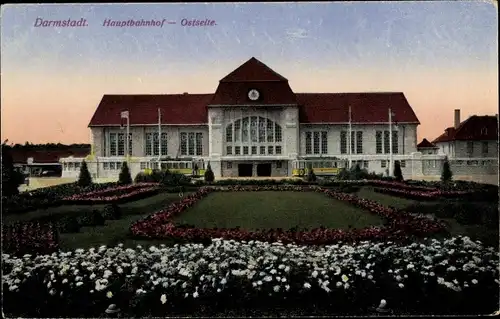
<point>485,148</point>
<point>253,129</point>
<point>262,130</point>
<point>316,142</point>
<point>112,166</point>
<point>254,150</point>
<point>199,144</point>
<point>270,150</point>
<point>229,150</point>
<point>237,130</point>
<point>308,143</point>
<point>121,144</point>
<point>395,142</point>
<point>278,150</point>
<point>378,142</point>
<point>164,144</point>
<point>229,165</point>
<point>191,143</point>
<point>365,164</point>
<point>383,163</point>
<point>353,140</point>
<point>245,150</point>
<point>279,164</point>
<point>113,142</point>
<point>244,129</point>
<point>184,139</point>
<point>359,142</point>
<point>270,131</point>
<point>148,145</point>
<point>229,133</point>
<point>144,165</point>
<point>386,142</point>
<point>130,144</point>
<point>324,142</point>
<point>470,148</point>
<point>262,150</point>
<point>403,164</point>
<point>343,142</point>
<point>277,133</point>
<point>105,166</point>
<point>156,144</point>
<point>237,150</point>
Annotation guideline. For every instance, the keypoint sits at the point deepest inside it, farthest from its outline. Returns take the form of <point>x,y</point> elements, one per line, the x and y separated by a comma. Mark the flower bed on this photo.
<point>46,197</point>
<point>29,238</point>
<point>117,194</point>
<point>424,195</point>
<point>455,276</point>
<point>400,226</point>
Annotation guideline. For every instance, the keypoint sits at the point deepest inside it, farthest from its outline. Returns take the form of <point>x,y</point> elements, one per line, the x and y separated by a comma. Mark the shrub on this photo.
<point>170,178</point>
<point>68,224</point>
<point>84,179</point>
<point>446,174</point>
<point>398,175</point>
<point>112,212</point>
<point>124,178</point>
<point>93,218</point>
<point>311,177</point>
<point>209,174</point>
<point>11,179</point>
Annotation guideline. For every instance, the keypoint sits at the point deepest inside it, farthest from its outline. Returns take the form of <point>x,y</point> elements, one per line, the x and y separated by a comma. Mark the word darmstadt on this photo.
<point>39,22</point>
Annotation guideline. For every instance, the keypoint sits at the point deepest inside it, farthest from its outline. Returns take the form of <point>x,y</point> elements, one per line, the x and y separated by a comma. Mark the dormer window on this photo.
<point>484,131</point>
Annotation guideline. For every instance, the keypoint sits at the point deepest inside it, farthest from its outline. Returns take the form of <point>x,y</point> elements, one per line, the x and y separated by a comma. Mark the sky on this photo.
<point>442,55</point>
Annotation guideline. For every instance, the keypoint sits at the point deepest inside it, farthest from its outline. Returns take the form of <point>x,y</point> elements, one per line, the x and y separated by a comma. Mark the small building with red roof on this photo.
<point>474,138</point>
<point>254,124</point>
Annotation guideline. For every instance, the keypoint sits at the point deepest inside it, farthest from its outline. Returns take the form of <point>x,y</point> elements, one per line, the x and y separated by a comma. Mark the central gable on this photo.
<point>253,75</point>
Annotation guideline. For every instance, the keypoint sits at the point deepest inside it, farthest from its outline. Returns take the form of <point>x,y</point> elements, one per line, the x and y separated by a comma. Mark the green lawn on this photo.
<point>265,210</point>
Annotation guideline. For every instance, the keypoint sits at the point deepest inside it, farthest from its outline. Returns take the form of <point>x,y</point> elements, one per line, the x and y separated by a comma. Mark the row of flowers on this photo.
<point>30,237</point>
<point>399,226</point>
<point>129,192</point>
<point>455,276</point>
<point>424,195</point>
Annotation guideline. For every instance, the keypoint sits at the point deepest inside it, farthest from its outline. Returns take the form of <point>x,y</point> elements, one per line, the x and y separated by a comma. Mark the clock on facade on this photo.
<point>253,95</point>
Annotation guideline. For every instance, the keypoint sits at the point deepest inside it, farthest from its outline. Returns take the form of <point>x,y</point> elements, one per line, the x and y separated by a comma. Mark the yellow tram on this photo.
<point>321,167</point>
<point>188,167</point>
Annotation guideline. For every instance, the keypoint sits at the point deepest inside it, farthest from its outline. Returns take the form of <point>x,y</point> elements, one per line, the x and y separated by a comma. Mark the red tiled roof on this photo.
<point>365,108</point>
<point>21,156</point>
<point>274,90</point>
<point>475,128</point>
<point>426,144</point>
<point>253,70</point>
<point>143,109</point>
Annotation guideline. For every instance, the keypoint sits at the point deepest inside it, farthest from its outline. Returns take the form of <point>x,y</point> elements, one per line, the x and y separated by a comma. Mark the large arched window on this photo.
<point>253,135</point>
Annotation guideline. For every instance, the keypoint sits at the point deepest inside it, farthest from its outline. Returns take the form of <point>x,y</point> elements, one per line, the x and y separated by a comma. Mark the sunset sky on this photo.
<point>442,55</point>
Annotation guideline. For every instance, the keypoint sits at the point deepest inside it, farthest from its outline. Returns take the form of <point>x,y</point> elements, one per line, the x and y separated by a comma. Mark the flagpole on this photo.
<point>159,138</point>
<point>128,137</point>
<point>390,142</point>
<point>350,138</point>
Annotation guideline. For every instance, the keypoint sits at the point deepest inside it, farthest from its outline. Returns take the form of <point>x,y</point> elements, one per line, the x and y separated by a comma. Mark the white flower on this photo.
<point>78,284</point>
<point>345,278</point>
<point>401,285</point>
<point>276,288</point>
<point>474,281</point>
<point>109,294</point>
<point>307,285</point>
<point>195,294</point>
<point>315,274</point>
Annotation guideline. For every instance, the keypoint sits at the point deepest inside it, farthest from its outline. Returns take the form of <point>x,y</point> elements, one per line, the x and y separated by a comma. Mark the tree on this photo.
<point>11,179</point>
<point>124,178</point>
<point>84,179</point>
<point>446,174</point>
<point>209,174</point>
<point>398,175</point>
<point>311,177</point>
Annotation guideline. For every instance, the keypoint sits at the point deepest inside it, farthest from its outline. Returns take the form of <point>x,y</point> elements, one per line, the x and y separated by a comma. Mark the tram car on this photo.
<point>186,167</point>
<point>321,167</point>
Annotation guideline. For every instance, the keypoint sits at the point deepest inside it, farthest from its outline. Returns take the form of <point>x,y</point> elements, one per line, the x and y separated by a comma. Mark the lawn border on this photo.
<point>399,227</point>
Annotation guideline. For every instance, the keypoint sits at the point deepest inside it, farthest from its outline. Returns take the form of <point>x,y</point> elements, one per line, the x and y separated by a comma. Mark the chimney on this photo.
<point>457,118</point>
